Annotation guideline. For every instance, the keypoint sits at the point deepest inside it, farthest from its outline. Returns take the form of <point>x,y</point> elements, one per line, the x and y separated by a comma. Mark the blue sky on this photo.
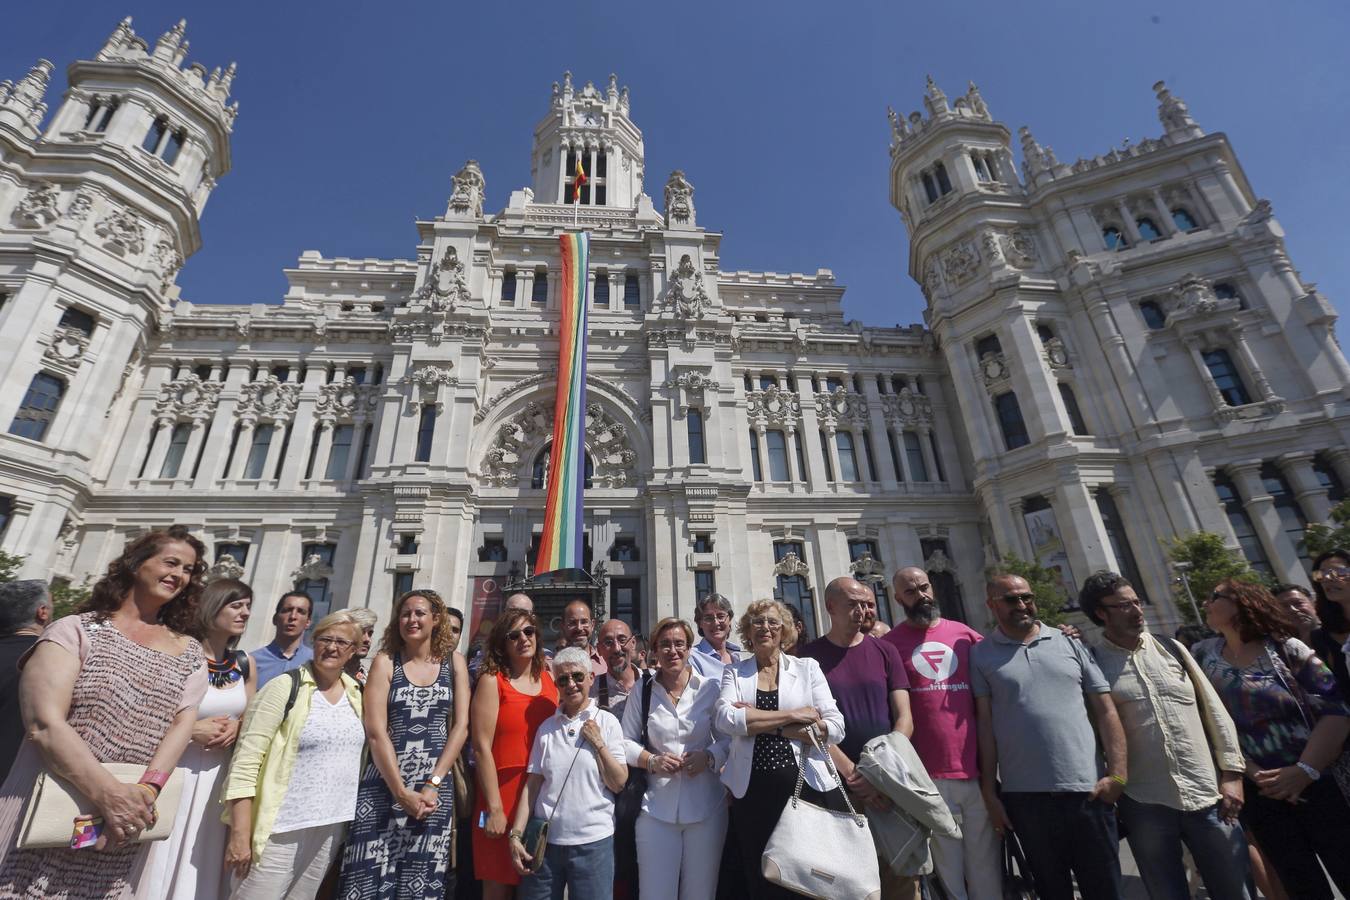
<point>354,115</point>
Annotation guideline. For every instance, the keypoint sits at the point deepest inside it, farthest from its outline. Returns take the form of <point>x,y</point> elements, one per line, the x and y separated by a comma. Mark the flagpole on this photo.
<point>576,209</point>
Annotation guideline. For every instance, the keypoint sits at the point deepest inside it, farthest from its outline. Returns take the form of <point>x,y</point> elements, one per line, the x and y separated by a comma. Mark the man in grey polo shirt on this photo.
<point>1033,689</point>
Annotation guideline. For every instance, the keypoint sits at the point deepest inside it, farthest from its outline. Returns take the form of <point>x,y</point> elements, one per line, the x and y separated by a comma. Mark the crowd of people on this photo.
<point>598,768</point>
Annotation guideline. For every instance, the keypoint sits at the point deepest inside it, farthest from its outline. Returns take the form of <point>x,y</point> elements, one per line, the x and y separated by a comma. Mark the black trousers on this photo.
<point>1295,835</point>
<point>1066,836</point>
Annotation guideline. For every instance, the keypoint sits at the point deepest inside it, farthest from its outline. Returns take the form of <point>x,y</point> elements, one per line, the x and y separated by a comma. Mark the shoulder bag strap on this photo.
<point>829,764</point>
<point>646,706</point>
<point>563,786</point>
<point>294,675</point>
<point>1279,661</point>
<point>604,692</point>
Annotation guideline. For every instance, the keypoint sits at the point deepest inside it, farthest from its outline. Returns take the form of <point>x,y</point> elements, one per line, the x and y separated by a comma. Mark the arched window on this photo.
<point>1183,219</point>
<point>539,471</point>
<point>1153,314</point>
<point>1147,229</point>
<point>1113,239</point>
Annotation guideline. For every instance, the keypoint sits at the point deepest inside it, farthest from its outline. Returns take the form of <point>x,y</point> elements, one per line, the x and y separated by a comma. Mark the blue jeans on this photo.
<point>585,871</point>
<point>1156,834</point>
<point>1066,836</point>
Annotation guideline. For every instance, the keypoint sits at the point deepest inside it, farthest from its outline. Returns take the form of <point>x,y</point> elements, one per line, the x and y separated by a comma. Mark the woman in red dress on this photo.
<point>514,696</point>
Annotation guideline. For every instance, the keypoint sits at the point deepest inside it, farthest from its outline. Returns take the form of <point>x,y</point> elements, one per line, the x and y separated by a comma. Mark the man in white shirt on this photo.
<point>580,748</point>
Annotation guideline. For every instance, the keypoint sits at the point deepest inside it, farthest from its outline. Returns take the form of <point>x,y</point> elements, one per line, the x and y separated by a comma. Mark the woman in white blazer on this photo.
<point>766,704</point>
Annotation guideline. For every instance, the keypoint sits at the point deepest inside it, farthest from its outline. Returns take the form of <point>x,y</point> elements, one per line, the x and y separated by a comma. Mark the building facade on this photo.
<point>1116,350</point>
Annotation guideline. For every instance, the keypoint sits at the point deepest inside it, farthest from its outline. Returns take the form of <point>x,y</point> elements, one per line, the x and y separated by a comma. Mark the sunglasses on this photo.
<point>1220,595</point>
<point>1331,573</point>
<point>528,631</point>
<point>573,677</point>
<point>1018,599</point>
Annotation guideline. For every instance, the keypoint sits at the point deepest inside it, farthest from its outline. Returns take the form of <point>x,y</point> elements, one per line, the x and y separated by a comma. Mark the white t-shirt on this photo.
<point>584,806</point>
<point>327,772</point>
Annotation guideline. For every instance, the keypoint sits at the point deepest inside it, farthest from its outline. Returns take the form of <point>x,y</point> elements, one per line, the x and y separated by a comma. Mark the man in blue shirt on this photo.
<point>287,650</point>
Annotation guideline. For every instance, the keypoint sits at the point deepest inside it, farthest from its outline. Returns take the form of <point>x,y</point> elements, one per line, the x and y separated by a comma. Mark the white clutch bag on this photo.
<point>49,817</point>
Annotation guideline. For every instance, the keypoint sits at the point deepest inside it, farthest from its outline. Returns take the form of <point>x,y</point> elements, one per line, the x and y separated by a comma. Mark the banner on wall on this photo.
<point>486,591</point>
<point>1047,546</point>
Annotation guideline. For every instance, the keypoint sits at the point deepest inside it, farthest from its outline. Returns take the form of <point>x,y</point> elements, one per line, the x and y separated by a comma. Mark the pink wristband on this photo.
<point>155,779</point>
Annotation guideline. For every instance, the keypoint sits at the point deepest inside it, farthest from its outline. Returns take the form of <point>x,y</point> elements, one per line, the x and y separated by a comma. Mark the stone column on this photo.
<point>243,445</point>
<point>524,288</point>
<point>790,438</point>
<point>1252,366</point>
<point>279,435</point>
<point>1076,514</point>
<point>833,449</point>
<point>810,430</point>
<point>1127,222</point>
<point>193,449</point>
<point>358,437</point>
<point>216,451</point>
<point>1265,518</point>
<point>320,471</point>
<point>1192,343</point>
<point>1166,224</point>
<point>1312,497</point>
<point>876,421</point>
<point>758,451</point>
<point>925,435</point>
<point>1340,461</point>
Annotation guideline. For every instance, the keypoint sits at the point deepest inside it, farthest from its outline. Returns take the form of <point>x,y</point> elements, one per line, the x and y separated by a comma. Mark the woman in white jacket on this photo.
<point>766,704</point>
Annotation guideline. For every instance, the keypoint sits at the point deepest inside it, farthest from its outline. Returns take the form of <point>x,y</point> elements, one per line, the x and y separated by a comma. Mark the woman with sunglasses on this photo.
<point>765,706</point>
<point>293,781</point>
<point>1292,724</point>
<point>1331,591</point>
<point>515,694</point>
<point>416,721</point>
<point>684,811</point>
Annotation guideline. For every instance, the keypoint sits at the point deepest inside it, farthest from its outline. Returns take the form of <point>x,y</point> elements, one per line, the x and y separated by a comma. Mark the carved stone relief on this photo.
<point>346,400</point>
<point>122,231</point>
<point>961,262</point>
<point>466,197</point>
<point>187,398</point>
<point>520,438</point>
<point>38,207</point>
<point>907,409</point>
<point>268,399</point>
<point>427,382</point>
<point>686,296</point>
<point>773,406</point>
<point>446,285</point>
<point>841,407</point>
<point>679,200</point>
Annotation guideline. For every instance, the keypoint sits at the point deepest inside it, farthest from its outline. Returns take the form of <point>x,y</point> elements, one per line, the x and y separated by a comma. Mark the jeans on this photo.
<point>585,871</point>
<point>1156,833</point>
<point>1066,836</point>
<point>1294,836</point>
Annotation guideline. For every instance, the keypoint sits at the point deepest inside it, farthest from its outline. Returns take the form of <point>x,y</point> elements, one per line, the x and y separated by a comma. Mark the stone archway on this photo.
<point>519,438</point>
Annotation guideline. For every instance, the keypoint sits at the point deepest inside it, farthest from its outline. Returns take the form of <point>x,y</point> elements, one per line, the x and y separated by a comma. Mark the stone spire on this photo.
<point>117,40</point>
<point>167,47</point>
<point>24,100</point>
<point>1175,117</point>
<point>934,99</point>
<point>1036,160</point>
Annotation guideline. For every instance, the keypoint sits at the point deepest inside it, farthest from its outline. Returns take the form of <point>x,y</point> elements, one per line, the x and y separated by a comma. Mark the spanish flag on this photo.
<point>578,181</point>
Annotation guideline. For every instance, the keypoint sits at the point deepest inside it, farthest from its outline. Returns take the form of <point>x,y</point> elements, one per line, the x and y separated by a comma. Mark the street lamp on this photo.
<point>1181,569</point>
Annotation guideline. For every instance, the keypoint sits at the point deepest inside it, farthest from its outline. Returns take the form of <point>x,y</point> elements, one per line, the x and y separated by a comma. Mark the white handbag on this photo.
<point>49,817</point>
<point>819,852</point>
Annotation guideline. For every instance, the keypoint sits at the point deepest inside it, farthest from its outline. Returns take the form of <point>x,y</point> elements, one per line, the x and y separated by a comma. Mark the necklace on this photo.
<point>223,673</point>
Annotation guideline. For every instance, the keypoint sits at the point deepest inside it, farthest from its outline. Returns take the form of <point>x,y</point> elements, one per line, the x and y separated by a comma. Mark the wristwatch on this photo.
<point>1308,770</point>
<point>435,781</point>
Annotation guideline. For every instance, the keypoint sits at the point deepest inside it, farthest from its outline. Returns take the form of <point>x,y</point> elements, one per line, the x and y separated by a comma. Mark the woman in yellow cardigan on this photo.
<point>293,781</point>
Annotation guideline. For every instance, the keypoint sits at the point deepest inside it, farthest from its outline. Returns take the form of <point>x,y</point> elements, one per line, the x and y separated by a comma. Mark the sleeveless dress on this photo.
<point>124,700</point>
<point>187,866</point>
<point>389,854</point>
<point>518,718</point>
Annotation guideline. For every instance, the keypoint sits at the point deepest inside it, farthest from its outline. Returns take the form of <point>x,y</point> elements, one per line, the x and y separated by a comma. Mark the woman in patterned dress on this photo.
<point>514,696</point>
<point>399,846</point>
<point>119,682</point>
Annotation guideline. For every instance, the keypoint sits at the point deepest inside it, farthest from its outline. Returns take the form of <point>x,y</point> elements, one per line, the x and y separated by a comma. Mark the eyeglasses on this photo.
<point>1124,604</point>
<point>528,631</point>
<point>339,643</point>
<point>1333,573</point>
<point>673,645</point>
<point>1220,595</point>
<point>763,622</point>
<point>715,618</point>
<point>573,677</point>
<point>1026,597</point>
<point>617,641</point>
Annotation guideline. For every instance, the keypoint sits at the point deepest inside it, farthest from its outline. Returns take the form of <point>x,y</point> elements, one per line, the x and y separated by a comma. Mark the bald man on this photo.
<point>578,625</point>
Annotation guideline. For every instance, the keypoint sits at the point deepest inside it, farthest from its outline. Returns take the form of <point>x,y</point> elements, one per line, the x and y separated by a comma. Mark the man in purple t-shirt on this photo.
<point>868,682</point>
<point>936,655</point>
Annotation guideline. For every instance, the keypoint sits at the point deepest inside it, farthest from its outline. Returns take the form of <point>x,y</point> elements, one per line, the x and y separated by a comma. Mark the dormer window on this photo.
<point>596,168</point>
<point>936,183</point>
<point>162,141</point>
<point>1113,239</point>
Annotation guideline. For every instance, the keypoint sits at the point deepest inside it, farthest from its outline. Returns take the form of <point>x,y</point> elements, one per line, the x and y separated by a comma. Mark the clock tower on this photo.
<point>590,126</point>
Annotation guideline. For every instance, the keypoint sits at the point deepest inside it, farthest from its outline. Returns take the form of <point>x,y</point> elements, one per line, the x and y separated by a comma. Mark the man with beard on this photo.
<point>1038,694</point>
<point>1185,763</point>
<point>577,625</point>
<point>936,655</point>
<point>611,690</point>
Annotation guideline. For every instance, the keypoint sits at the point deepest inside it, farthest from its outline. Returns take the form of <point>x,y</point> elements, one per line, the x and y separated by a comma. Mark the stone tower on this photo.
<point>97,213</point>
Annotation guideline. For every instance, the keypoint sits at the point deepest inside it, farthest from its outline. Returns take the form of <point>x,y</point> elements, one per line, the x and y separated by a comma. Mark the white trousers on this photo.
<point>293,864</point>
<point>680,862</point>
<point>971,867</point>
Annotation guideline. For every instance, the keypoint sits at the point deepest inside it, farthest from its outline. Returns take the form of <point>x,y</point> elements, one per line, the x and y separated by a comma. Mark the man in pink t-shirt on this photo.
<point>936,654</point>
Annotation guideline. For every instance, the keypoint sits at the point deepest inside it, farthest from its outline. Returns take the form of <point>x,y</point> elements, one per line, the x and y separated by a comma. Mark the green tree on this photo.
<point>9,565</point>
<point>67,597</point>
<point>1205,561</point>
<point>1045,584</point>
<point>1324,536</point>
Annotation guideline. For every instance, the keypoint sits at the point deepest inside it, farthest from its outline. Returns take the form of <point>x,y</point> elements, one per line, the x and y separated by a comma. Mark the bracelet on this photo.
<point>515,835</point>
<point>155,779</point>
<point>1308,770</point>
<point>1117,779</point>
<point>149,789</point>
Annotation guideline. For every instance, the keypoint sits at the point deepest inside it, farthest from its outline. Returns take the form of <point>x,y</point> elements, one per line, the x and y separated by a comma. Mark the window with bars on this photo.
<point>38,409</point>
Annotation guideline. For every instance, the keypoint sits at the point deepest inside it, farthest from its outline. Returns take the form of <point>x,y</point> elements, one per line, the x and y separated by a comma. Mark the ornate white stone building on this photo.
<point>1117,350</point>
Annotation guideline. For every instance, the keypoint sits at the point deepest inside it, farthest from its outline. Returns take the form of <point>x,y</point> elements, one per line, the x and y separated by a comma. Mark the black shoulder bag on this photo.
<point>628,804</point>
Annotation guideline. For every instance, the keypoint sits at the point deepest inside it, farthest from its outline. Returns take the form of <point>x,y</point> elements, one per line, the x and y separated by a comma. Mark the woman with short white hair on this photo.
<point>580,748</point>
<point>293,783</point>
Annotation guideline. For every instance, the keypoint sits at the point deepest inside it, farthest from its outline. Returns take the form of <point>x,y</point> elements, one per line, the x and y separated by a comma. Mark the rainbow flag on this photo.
<point>560,545</point>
